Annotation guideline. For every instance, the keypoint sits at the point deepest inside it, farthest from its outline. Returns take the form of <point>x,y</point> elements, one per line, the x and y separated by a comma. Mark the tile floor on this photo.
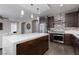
<point>59,49</point>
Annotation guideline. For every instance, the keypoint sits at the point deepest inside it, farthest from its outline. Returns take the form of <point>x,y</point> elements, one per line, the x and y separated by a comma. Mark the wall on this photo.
<point>26,30</point>
<point>6,29</point>
<point>35,26</point>
<point>19,27</point>
<point>59,25</point>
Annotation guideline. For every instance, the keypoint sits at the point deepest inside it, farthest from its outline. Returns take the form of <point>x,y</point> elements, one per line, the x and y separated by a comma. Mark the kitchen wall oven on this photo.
<point>58,38</point>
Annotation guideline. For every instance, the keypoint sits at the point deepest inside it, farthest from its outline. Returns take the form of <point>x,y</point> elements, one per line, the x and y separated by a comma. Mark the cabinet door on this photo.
<point>67,39</point>
<point>42,45</point>
<point>76,19</point>
<point>43,20</point>
<point>27,48</point>
<point>76,46</point>
<point>50,22</point>
<point>51,37</point>
<point>71,19</point>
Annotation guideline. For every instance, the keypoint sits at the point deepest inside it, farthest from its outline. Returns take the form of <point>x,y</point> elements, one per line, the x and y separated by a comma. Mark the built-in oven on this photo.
<point>58,37</point>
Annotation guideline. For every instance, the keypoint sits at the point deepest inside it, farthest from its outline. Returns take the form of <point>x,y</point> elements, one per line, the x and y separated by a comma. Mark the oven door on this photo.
<point>58,37</point>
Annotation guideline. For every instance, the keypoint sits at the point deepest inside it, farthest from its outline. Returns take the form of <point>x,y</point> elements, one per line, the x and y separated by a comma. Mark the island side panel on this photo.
<point>34,47</point>
<point>8,48</point>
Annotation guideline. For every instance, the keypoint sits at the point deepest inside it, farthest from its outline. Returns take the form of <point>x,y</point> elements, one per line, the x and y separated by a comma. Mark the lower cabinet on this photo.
<point>34,47</point>
<point>68,39</point>
<point>51,37</point>
<point>76,45</point>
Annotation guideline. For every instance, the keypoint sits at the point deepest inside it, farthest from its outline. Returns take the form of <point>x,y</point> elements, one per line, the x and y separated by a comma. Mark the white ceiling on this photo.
<point>42,7</point>
<point>14,10</point>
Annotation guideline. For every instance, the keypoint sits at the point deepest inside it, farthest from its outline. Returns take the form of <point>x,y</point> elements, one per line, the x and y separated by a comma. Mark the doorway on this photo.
<point>23,28</point>
<point>35,26</point>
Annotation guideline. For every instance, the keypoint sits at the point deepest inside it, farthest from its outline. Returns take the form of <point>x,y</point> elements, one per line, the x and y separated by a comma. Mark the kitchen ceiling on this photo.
<point>14,10</point>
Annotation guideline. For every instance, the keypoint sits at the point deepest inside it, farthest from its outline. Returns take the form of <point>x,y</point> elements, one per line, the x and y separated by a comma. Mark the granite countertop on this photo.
<point>23,37</point>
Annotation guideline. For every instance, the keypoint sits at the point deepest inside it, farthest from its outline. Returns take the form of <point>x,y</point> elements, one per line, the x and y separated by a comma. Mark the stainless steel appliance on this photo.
<point>43,28</point>
<point>58,37</point>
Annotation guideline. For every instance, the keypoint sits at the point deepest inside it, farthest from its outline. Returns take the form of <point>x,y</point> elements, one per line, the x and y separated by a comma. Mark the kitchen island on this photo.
<point>25,44</point>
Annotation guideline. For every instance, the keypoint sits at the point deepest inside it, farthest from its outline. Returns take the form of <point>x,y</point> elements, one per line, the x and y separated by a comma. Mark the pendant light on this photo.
<point>38,18</point>
<point>22,12</point>
<point>31,15</point>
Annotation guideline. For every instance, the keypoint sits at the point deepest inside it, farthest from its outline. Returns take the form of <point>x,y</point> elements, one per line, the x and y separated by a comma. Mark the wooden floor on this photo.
<point>59,49</point>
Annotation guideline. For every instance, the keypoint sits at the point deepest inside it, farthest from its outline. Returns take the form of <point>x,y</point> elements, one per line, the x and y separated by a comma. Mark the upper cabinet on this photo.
<point>71,19</point>
<point>43,20</point>
<point>50,22</point>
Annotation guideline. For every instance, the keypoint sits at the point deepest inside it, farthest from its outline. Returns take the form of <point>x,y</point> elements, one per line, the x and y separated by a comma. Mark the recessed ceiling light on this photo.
<point>38,10</point>
<point>61,5</point>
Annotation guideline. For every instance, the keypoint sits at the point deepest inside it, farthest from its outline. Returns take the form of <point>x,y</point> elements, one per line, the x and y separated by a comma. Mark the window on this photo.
<point>13,27</point>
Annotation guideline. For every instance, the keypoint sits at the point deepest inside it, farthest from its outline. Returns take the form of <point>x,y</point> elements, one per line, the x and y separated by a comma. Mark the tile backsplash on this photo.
<point>61,26</point>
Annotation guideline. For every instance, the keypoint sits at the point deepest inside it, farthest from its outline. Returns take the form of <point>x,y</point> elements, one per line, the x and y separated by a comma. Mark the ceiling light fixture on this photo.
<point>31,15</point>
<point>38,10</point>
<point>38,18</point>
<point>61,5</point>
<point>22,12</point>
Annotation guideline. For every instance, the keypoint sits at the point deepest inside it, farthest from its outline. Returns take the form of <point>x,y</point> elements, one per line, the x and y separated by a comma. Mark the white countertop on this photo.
<point>73,32</point>
<point>23,37</point>
<point>9,42</point>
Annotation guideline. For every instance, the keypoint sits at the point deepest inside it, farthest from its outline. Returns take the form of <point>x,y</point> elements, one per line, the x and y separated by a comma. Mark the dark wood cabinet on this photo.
<point>76,19</point>
<point>1,26</point>
<point>76,45</point>
<point>50,22</point>
<point>34,47</point>
<point>68,39</point>
<point>43,20</point>
<point>51,37</point>
<point>71,19</point>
